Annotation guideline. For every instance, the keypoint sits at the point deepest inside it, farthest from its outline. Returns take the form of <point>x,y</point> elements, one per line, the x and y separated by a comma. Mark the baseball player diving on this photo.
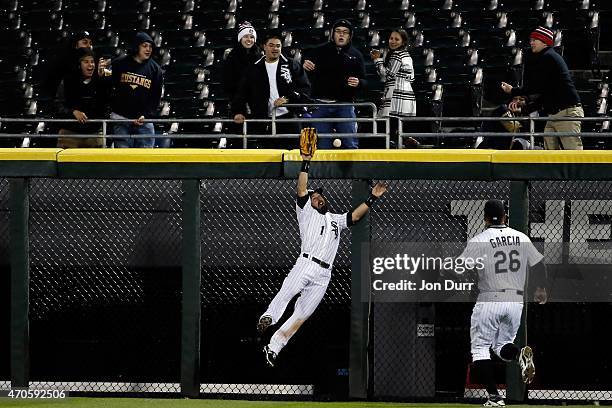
<point>505,255</point>
<point>320,235</point>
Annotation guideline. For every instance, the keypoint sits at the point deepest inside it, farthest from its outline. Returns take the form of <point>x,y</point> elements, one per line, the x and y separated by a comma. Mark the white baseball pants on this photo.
<point>308,279</point>
<point>493,325</point>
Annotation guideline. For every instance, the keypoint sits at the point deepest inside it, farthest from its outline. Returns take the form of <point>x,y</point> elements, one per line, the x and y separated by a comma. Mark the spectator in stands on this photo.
<point>548,81</point>
<point>270,83</point>
<point>337,73</point>
<point>397,72</point>
<point>503,142</point>
<point>244,54</point>
<point>63,62</point>
<point>82,95</point>
<point>137,83</point>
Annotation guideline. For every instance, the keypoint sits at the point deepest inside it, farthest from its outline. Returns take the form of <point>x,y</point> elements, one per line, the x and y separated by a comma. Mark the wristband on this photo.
<point>370,200</point>
<point>305,166</point>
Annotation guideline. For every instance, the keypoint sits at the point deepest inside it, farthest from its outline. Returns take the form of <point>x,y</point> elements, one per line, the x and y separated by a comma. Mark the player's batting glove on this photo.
<point>308,141</point>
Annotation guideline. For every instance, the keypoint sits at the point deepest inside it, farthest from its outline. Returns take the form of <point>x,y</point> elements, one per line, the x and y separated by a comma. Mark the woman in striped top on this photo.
<point>397,72</point>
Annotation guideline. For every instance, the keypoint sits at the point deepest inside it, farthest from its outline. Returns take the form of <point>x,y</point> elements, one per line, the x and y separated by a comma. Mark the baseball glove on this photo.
<point>308,141</point>
<point>512,126</point>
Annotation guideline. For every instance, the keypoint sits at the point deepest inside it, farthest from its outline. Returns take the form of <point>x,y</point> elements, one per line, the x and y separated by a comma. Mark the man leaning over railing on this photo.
<point>547,75</point>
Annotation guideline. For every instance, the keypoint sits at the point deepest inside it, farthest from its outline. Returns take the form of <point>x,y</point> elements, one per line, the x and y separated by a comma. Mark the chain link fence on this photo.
<point>569,338</point>
<point>5,282</point>
<point>421,349</point>
<point>250,242</point>
<point>106,289</point>
<point>105,282</point>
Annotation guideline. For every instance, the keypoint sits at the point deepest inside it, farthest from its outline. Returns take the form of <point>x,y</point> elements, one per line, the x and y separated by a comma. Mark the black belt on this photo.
<point>318,261</point>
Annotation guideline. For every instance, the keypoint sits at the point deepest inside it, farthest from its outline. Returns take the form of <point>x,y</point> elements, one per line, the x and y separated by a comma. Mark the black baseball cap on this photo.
<point>495,210</point>
<point>318,191</point>
<point>77,36</point>
<point>343,22</point>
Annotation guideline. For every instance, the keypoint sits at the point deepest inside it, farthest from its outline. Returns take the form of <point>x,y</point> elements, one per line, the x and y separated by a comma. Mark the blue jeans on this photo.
<point>340,127</point>
<point>163,142</point>
<point>131,129</point>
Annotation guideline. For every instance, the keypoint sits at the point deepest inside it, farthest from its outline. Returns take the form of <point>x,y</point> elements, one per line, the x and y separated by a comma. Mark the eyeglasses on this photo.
<point>343,32</point>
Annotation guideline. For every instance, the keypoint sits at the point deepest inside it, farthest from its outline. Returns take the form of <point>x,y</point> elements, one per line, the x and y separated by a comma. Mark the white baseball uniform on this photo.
<point>505,253</point>
<point>320,235</point>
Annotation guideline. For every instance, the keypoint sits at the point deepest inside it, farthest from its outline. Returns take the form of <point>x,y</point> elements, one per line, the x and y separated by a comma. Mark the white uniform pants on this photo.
<point>308,279</point>
<point>493,325</point>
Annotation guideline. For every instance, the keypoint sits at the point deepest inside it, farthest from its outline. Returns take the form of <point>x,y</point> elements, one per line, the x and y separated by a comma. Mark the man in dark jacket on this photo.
<point>270,83</point>
<point>137,82</point>
<point>63,61</point>
<point>337,73</point>
<point>547,79</point>
<point>82,95</point>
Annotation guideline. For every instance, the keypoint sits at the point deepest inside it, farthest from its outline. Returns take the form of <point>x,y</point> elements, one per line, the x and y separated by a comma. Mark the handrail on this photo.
<point>531,134</point>
<point>273,120</point>
<point>404,119</point>
<point>374,119</point>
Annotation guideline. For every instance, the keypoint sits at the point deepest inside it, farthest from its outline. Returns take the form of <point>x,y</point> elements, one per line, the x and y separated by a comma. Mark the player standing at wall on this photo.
<point>496,317</point>
<point>309,277</point>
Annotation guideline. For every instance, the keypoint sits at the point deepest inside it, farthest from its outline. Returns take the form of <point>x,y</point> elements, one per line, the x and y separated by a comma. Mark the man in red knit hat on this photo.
<point>548,83</point>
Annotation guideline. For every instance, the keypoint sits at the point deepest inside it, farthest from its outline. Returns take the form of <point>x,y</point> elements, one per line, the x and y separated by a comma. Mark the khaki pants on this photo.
<point>74,142</point>
<point>564,142</point>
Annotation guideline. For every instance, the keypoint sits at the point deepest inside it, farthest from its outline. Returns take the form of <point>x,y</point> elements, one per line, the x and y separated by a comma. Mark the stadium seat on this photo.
<point>450,41</point>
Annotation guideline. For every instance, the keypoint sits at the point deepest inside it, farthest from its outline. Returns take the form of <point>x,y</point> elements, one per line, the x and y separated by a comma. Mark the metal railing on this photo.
<point>373,119</point>
<point>532,134</point>
<point>217,135</point>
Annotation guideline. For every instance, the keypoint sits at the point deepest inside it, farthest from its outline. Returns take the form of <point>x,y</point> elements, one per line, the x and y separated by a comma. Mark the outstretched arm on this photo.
<point>302,185</point>
<point>378,190</point>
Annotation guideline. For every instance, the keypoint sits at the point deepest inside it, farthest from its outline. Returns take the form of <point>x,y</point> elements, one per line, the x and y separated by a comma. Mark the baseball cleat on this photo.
<point>494,401</point>
<point>526,363</point>
<point>264,323</point>
<point>270,356</point>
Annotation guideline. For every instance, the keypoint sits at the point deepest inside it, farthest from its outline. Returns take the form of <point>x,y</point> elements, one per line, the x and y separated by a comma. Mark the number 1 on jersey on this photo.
<point>322,229</point>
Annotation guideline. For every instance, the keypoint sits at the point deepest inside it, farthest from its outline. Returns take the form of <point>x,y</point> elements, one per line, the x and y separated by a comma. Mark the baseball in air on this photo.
<point>337,142</point>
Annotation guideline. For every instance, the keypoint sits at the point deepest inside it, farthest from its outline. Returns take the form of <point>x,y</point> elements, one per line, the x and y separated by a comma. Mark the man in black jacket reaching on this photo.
<point>548,82</point>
